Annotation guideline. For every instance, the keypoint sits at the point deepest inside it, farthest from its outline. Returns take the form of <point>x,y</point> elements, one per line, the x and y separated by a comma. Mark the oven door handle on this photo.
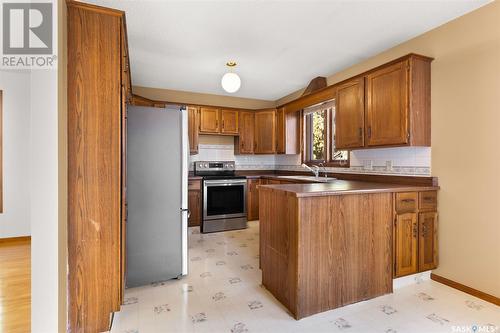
<point>225,182</point>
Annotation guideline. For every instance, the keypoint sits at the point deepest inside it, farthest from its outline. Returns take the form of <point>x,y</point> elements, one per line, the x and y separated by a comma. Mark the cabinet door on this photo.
<point>194,206</point>
<point>253,199</point>
<point>265,135</point>
<point>229,122</point>
<point>427,245</point>
<point>209,120</point>
<point>387,105</point>
<point>350,114</point>
<point>405,234</point>
<point>245,142</point>
<point>280,131</point>
<point>193,127</point>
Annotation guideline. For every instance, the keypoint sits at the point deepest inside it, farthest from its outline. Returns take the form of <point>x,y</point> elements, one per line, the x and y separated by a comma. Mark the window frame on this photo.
<point>329,137</point>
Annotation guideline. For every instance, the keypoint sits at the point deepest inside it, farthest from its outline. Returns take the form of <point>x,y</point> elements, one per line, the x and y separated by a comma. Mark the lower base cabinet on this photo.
<point>194,203</point>
<point>253,199</point>
<point>427,241</point>
<point>415,233</point>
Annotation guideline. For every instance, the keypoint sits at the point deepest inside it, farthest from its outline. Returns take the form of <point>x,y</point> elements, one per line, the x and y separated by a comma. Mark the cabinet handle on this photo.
<point>360,131</point>
<point>369,132</point>
<point>222,124</point>
<point>217,123</point>
<point>429,199</point>
<point>424,230</point>
<point>408,200</point>
<point>415,230</point>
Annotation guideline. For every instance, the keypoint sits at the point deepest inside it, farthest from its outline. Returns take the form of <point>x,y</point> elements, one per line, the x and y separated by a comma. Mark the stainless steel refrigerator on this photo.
<point>157,172</point>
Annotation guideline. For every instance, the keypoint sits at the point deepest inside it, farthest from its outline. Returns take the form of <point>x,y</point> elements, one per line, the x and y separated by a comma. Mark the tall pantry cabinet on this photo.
<point>98,91</point>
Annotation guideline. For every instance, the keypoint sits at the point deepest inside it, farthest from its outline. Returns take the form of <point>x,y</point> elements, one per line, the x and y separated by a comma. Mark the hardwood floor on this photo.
<point>15,286</point>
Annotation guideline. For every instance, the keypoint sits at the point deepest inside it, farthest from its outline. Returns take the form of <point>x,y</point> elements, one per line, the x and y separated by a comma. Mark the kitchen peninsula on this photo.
<point>328,245</point>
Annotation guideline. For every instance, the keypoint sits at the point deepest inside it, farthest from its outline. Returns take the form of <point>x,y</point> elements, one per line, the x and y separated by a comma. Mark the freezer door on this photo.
<point>157,186</point>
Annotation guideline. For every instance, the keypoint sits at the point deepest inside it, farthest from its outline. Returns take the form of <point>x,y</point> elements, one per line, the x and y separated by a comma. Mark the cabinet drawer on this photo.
<point>194,185</point>
<point>427,200</point>
<point>406,202</point>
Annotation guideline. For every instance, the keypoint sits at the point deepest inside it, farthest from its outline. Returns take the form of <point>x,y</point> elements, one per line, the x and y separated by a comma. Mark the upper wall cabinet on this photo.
<point>398,103</point>
<point>387,105</point>
<point>229,122</point>
<point>350,114</point>
<point>287,132</point>
<point>193,129</point>
<point>209,120</point>
<point>244,143</point>
<point>265,131</point>
<point>217,121</point>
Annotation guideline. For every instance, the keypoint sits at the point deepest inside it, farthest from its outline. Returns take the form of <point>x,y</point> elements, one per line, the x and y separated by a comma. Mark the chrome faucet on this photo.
<point>315,170</point>
<point>324,170</point>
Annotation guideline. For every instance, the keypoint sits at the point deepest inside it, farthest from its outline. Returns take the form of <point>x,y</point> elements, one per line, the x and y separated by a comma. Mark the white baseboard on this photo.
<point>411,279</point>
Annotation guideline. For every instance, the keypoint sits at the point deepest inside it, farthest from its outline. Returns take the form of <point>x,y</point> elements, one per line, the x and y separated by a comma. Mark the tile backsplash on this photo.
<point>414,161</point>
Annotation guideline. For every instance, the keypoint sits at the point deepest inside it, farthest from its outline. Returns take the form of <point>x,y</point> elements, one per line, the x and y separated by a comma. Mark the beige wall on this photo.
<point>186,97</point>
<point>465,140</point>
<point>63,164</point>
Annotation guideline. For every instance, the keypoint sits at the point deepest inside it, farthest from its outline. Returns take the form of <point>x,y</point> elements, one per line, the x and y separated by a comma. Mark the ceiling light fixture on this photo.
<point>231,82</point>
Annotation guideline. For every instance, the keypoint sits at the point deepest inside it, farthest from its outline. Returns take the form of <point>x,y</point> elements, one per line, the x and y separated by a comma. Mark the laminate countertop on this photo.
<point>341,187</point>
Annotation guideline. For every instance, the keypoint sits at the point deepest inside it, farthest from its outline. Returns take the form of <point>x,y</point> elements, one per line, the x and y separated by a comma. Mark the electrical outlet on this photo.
<point>388,165</point>
<point>368,164</point>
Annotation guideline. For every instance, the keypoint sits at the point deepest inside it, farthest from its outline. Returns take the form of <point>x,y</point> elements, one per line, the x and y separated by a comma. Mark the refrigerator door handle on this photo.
<point>186,210</point>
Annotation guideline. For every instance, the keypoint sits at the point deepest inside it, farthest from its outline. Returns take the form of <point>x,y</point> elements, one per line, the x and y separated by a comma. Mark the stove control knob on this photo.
<point>205,165</point>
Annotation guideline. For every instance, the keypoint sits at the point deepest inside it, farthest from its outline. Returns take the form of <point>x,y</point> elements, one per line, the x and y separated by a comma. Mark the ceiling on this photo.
<point>279,45</point>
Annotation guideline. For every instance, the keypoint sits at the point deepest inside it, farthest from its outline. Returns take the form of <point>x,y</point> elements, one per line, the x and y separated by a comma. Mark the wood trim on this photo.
<point>466,289</point>
<point>1,151</point>
<point>15,239</point>
<point>143,101</point>
<point>95,8</point>
<point>316,84</point>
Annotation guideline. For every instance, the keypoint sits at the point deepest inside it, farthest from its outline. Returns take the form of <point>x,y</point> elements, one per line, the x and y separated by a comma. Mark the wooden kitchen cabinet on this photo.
<point>253,199</point>
<point>194,203</point>
<point>287,132</point>
<point>398,103</point>
<point>415,232</point>
<point>229,122</point>
<point>350,114</point>
<point>427,243</point>
<point>265,131</point>
<point>209,120</point>
<point>387,105</point>
<point>193,129</point>
<point>96,169</point>
<point>406,244</point>
<point>244,142</point>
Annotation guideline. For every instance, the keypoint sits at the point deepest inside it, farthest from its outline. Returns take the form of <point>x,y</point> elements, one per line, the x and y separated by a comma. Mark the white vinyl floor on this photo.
<point>222,293</point>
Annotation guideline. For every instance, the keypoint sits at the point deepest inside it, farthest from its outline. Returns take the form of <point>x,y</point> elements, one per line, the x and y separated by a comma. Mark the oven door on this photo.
<point>224,198</point>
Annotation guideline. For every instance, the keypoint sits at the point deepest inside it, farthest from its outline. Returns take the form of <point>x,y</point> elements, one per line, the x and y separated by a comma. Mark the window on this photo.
<point>319,136</point>
<point>315,135</point>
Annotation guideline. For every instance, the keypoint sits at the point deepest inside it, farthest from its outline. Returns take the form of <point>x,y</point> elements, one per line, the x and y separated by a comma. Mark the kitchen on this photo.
<point>250,215</point>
